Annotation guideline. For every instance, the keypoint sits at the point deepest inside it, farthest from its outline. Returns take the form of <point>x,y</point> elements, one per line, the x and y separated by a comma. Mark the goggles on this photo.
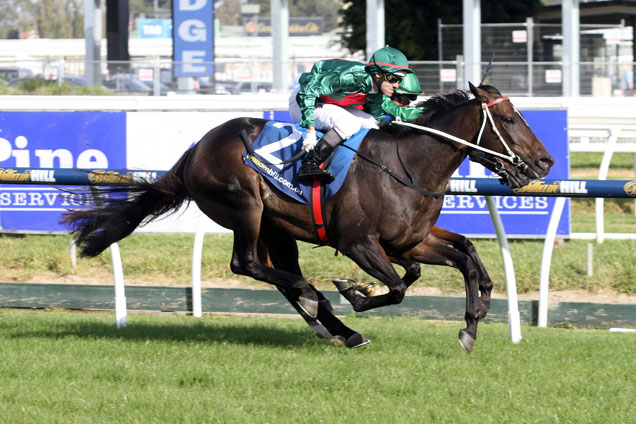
<point>404,99</point>
<point>392,78</point>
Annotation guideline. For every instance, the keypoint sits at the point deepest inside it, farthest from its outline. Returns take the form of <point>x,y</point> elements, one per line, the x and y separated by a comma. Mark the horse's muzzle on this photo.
<point>544,163</point>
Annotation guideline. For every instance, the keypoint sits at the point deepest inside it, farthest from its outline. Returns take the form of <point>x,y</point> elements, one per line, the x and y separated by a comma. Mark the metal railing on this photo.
<point>237,76</point>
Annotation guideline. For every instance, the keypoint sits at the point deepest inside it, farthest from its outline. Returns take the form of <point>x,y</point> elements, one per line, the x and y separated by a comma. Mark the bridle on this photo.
<point>485,157</point>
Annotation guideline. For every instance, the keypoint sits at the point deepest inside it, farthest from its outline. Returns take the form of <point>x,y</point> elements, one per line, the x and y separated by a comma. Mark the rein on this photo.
<point>511,157</point>
<point>395,176</point>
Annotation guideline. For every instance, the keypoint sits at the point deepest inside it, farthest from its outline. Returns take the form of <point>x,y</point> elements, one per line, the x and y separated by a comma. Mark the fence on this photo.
<point>154,76</point>
<point>580,110</point>
<point>479,186</point>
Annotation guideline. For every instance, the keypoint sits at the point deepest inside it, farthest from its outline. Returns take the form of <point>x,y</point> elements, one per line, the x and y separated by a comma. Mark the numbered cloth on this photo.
<point>280,141</point>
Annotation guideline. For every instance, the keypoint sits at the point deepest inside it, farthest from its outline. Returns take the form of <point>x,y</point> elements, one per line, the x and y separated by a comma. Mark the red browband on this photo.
<point>499,100</point>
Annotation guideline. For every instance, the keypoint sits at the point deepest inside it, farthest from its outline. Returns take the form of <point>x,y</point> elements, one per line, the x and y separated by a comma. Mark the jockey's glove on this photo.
<point>310,140</point>
<point>412,113</point>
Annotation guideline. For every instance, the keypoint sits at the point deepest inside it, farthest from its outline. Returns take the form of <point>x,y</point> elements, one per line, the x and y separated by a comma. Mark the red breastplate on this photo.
<point>356,99</point>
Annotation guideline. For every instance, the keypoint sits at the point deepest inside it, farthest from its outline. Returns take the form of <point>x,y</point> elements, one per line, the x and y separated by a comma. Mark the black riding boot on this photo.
<point>311,164</point>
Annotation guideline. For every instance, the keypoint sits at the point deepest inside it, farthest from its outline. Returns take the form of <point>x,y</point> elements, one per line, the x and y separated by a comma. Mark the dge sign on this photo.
<point>193,37</point>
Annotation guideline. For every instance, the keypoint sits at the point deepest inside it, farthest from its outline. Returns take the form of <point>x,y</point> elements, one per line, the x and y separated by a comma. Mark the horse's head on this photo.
<point>513,151</point>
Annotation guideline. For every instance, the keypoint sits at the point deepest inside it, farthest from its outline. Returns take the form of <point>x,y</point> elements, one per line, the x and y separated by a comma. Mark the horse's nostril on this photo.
<point>545,162</point>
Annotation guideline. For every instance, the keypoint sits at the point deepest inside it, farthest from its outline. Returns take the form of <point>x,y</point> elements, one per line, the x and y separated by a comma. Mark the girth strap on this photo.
<point>318,209</point>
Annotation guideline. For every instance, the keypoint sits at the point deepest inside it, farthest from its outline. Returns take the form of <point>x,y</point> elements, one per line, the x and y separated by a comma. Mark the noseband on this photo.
<point>488,156</point>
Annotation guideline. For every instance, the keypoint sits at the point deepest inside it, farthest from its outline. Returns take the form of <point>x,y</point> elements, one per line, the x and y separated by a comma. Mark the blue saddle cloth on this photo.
<point>280,141</point>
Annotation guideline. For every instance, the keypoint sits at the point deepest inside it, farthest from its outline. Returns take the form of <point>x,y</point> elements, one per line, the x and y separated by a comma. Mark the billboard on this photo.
<point>521,216</point>
<point>155,141</point>
<point>154,28</point>
<point>193,37</point>
<point>54,140</point>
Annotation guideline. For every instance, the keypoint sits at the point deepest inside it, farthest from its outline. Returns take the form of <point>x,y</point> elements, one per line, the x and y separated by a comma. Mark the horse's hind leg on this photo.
<point>465,246</point>
<point>369,255</point>
<point>282,252</point>
<point>412,271</point>
<point>243,214</point>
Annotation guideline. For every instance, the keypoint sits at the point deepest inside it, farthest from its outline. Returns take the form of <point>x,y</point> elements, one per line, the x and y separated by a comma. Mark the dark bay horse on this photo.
<point>374,220</point>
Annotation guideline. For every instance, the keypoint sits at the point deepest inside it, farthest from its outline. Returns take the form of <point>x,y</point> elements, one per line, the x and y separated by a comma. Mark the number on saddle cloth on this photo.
<point>280,141</point>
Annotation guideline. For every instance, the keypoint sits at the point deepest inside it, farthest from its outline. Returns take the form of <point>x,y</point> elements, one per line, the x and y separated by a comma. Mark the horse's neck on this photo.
<point>445,156</point>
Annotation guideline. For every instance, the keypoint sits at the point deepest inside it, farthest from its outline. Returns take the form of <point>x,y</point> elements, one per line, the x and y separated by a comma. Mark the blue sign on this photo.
<point>53,140</point>
<point>524,216</point>
<point>193,37</point>
<point>155,28</point>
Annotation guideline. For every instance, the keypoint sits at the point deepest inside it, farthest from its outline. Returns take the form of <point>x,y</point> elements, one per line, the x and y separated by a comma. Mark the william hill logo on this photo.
<point>12,175</point>
<point>573,187</point>
<point>630,188</point>
<point>563,187</point>
<point>539,186</point>
<point>110,177</point>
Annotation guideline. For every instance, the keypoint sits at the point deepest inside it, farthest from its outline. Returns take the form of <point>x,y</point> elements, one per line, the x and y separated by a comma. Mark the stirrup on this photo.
<point>314,171</point>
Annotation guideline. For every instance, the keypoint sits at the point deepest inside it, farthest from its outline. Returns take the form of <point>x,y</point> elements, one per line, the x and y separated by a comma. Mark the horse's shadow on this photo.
<point>217,332</point>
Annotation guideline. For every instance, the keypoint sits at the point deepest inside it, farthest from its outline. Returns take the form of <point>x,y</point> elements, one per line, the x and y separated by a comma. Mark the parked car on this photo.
<point>123,83</point>
<point>163,88</point>
<point>208,86</point>
<point>77,81</point>
<point>11,76</point>
<point>252,87</point>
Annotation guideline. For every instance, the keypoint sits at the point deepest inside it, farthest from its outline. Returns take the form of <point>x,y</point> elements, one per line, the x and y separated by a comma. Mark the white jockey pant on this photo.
<point>346,121</point>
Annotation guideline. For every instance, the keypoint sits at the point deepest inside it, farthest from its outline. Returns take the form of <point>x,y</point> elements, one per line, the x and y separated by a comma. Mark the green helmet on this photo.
<point>409,85</point>
<point>388,60</point>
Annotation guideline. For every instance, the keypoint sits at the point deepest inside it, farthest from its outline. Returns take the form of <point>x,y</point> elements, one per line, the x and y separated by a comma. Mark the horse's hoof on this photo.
<point>371,289</point>
<point>466,340</point>
<point>357,340</point>
<point>343,284</point>
<point>485,307</point>
<point>309,306</point>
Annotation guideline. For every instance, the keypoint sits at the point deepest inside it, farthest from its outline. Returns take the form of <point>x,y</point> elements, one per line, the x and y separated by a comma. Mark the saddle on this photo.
<point>272,154</point>
<point>282,141</point>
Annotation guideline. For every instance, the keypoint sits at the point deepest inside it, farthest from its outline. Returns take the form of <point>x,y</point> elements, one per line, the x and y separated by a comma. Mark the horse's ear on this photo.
<point>478,93</point>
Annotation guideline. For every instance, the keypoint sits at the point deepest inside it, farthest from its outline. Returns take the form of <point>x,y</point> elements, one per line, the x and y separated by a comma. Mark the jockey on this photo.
<point>330,98</point>
<point>397,106</point>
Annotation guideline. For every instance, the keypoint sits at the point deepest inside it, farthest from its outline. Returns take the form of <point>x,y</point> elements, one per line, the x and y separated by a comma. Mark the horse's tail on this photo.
<point>122,209</point>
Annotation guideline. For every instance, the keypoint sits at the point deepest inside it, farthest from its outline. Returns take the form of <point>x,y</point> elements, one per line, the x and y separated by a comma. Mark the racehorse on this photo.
<point>376,218</point>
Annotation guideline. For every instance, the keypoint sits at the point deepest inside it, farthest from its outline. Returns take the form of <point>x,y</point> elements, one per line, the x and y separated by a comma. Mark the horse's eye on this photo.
<point>508,119</point>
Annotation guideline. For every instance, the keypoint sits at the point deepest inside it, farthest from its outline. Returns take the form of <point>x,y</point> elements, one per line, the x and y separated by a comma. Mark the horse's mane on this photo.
<point>441,103</point>
<point>436,105</point>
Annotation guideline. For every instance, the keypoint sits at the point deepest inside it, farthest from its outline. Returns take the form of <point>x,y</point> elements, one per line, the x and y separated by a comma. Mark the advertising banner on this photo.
<point>154,141</point>
<point>154,28</point>
<point>53,140</point>
<point>193,37</point>
<point>521,216</point>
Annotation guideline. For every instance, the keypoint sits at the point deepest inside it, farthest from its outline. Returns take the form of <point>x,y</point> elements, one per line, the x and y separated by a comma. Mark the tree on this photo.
<point>327,9</point>
<point>411,25</point>
<point>16,16</point>
<point>50,18</point>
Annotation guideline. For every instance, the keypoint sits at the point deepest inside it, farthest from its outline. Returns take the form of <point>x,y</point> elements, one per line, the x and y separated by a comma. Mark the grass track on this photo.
<point>76,367</point>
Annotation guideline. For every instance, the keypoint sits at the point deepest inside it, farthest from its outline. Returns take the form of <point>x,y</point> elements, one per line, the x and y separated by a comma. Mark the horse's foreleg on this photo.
<point>465,246</point>
<point>435,251</point>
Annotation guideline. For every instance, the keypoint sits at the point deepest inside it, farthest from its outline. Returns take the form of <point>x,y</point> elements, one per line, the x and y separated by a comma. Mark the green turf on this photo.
<point>71,367</point>
<point>167,260</point>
